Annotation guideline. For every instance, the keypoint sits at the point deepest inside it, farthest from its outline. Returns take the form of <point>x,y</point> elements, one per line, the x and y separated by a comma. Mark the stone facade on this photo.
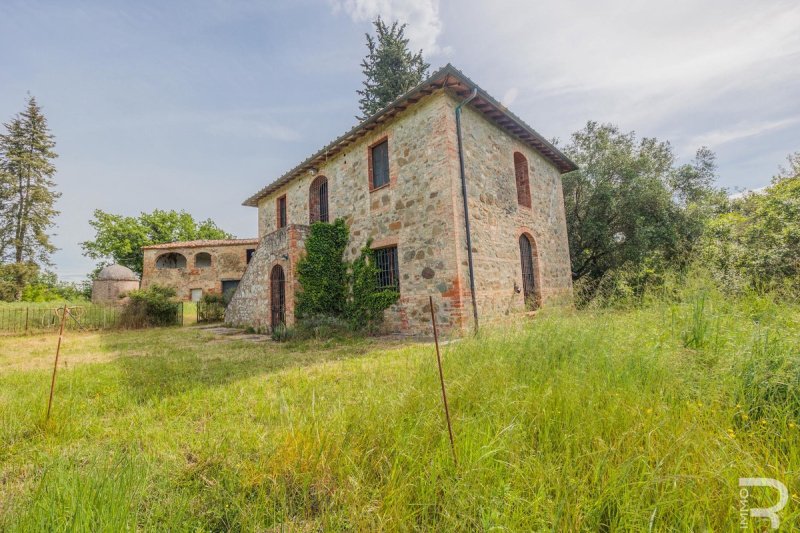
<point>498,220</point>
<point>252,303</point>
<point>200,266</point>
<point>420,212</point>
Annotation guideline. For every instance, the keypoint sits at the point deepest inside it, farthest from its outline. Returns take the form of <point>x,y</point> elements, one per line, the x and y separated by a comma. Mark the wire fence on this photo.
<point>23,320</point>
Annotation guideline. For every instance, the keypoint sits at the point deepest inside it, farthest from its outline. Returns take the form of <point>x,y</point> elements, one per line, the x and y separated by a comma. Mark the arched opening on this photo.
<point>521,177</point>
<point>171,260</point>
<point>318,200</point>
<point>527,254</point>
<point>277,296</point>
<point>202,260</point>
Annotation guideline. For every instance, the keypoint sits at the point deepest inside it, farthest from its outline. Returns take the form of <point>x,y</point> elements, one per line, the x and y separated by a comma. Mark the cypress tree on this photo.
<point>27,191</point>
<point>390,68</point>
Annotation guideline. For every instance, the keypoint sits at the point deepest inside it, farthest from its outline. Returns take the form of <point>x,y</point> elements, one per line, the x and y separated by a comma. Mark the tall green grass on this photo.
<point>641,419</point>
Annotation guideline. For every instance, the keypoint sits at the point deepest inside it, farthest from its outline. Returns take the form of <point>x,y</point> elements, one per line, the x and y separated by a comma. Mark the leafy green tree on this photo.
<point>27,191</point>
<point>755,243</point>
<point>121,238</point>
<point>629,205</point>
<point>390,68</point>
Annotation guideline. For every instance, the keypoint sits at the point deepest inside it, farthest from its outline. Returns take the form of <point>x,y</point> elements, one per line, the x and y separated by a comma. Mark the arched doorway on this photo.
<point>527,255</point>
<point>277,297</point>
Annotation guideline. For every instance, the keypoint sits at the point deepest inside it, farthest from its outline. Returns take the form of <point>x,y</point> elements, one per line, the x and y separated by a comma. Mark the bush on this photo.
<point>154,306</point>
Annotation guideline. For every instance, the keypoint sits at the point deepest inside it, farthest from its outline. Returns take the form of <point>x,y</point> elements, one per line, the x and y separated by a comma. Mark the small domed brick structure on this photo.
<point>112,284</point>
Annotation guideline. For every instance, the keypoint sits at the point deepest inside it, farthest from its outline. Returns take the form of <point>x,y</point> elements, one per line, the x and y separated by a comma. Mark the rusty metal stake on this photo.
<point>55,364</point>
<point>441,379</point>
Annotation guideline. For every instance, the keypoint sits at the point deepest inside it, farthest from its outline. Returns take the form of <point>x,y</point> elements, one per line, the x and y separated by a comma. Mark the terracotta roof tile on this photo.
<point>200,244</point>
<point>449,78</point>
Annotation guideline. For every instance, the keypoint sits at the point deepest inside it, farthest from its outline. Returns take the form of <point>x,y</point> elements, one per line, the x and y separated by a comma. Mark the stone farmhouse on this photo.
<point>195,268</point>
<point>462,200</point>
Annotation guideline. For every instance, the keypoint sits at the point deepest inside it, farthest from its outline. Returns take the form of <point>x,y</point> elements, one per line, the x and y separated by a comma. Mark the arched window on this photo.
<point>523,183</point>
<point>171,260</point>
<point>527,255</point>
<point>318,200</point>
<point>277,296</point>
<point>202,260</point>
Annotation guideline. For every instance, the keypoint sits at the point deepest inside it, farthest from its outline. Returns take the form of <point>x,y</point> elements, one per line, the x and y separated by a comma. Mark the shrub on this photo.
<point>154,306</point>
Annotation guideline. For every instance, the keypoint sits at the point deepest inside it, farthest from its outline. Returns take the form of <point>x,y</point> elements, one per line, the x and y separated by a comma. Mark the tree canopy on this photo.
<point>120,238</point>
<point>630,203</point>
<point>755,243</point>
<point>390,68</point>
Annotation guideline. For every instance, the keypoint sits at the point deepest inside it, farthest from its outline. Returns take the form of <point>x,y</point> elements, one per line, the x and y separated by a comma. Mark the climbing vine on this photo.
<point>322,272</point>
<point>367,301</point>
<point>331,286</point>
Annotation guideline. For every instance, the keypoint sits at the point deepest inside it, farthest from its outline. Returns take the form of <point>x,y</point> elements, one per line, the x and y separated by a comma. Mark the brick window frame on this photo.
<point>522,180</point>
<point>318,200</point>
<point>390,181</point>
<point>281,212</point>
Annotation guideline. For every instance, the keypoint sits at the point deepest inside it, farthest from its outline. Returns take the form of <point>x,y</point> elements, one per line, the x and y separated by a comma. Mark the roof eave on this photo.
<point>441,79</point>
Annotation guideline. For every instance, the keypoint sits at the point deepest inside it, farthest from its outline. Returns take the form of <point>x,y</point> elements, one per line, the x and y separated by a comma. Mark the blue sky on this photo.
<point>195,105</point>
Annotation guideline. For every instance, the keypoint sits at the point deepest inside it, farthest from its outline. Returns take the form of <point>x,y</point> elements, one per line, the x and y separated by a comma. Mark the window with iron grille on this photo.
<point>388,270</point>
<point>282,212</point>
<point>526,255</point>
<point>523,182</point>
<point>379,165</point>
<point>318,200</point>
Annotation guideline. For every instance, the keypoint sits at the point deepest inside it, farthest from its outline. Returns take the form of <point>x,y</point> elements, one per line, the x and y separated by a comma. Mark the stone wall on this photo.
<point>421,212</point>
<point>252,302</point>
<point>497,220</point>
<point>414,212</point>
<point>228,262</point>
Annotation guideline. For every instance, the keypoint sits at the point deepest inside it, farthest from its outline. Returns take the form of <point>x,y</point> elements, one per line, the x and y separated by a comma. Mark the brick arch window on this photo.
<point>318,200</point>
<point>523,182</point>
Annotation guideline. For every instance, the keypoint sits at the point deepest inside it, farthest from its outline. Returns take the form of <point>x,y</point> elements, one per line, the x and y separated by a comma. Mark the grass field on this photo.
<point>598,421</point>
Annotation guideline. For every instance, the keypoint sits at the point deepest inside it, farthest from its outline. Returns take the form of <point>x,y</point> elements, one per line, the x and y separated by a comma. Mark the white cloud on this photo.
<point>636,62</point>
<point>742,130</point>
<point>422,17</point>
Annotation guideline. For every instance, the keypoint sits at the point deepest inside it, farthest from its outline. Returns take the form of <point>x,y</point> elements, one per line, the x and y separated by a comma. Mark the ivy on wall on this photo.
<point>331,286</point>
<point>367,301</point>
<point>322,272</point>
